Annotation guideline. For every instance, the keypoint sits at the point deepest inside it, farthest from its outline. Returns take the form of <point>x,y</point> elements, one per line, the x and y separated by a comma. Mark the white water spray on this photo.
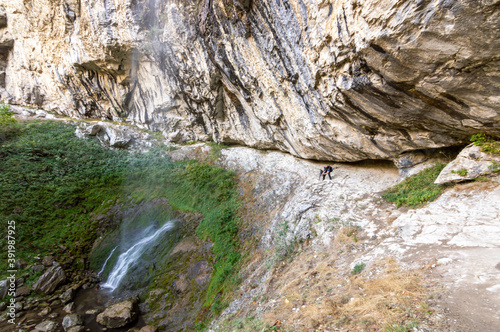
<point>131,256</point>
<point>106,261</point>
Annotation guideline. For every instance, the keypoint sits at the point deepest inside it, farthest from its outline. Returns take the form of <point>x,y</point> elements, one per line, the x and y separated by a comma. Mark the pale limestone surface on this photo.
<point>472,162</point>
<point>328,80</point>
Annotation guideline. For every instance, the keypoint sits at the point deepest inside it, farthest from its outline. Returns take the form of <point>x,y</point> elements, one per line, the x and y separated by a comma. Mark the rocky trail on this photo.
<point>454,241</point>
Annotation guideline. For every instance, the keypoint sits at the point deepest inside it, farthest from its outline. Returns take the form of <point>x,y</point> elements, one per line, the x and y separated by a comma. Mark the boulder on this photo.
<point>118,137</point>
<point>84,130</point>
<point>69,308</point>
<point>45,311</point>
<point>470,163</point>
<point>23,291</point>
<point>118,315</point>
<point>50,280</point>
<point>67,296</point>
<point>47,326</point>
<point>48,261</point>
<point>71,320</point>
<point>38,268</point>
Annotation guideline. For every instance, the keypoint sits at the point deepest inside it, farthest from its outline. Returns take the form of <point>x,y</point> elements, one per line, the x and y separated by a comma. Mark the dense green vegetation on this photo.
<point>51,184</point>
<point>54,184</point>
<point>417,189</point>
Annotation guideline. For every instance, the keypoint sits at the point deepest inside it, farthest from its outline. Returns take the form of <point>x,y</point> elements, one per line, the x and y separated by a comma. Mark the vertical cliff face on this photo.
<point>336,80</point>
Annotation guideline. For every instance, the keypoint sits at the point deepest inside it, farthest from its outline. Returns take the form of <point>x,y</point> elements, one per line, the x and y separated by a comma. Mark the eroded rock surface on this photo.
<point>329,80</point>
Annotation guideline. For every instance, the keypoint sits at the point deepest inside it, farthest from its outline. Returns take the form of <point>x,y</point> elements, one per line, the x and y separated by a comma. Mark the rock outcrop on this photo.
<point>329,80</point>
<point>50,280</point>
<point>469,164</point>
<point>71,320</point>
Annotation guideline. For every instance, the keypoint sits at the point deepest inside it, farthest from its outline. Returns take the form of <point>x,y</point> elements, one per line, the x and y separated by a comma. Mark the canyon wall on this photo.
<point>330,80</point>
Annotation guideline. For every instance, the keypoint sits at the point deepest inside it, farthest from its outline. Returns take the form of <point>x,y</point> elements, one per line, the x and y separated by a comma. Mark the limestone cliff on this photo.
<point>334,80</point>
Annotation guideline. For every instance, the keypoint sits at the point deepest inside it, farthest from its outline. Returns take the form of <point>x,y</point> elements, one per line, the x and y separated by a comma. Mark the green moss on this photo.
<point>417,189</point>
<point>51,183</point>
<point>488,144</point>
<point>461,172</point>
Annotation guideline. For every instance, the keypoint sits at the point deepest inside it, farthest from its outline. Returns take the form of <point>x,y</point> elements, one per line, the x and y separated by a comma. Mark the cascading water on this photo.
<point>106,261</point>
<point>133,254</point>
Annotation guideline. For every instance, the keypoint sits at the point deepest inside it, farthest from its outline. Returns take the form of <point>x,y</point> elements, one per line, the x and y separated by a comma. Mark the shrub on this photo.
<point>7,122</point>
<point>358,268</point>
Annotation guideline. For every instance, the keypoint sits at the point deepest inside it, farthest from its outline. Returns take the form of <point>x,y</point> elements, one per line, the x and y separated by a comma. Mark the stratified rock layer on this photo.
<point>335,80</point>
<point>50,280</point>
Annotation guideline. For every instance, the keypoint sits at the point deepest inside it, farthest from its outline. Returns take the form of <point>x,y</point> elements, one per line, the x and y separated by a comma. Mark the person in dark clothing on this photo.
<point>326,171</point>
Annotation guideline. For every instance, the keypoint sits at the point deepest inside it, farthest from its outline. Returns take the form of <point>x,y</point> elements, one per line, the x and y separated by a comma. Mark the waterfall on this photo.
<point>106,261</point>
<point>132,255</point>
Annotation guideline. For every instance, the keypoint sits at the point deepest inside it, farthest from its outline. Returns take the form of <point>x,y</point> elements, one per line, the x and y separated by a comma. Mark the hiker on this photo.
<point>326,170</point>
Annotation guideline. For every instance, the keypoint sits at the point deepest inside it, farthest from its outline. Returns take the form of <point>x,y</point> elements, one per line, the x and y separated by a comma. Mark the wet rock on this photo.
<point>48,261</point>
<point>69,308</point>
<point>67,296</point>
<point>469,164</point>
<point>148,328</point>
<point>50,280</point>
<point>3,306</point>
<point>47,326</point>
<point>118,315</point>
<point>71,320</point>
<point>53,315</point>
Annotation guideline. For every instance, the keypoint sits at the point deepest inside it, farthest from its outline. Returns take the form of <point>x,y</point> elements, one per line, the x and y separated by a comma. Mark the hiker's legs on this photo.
<point>320,173</point>
<point>329,176</point>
